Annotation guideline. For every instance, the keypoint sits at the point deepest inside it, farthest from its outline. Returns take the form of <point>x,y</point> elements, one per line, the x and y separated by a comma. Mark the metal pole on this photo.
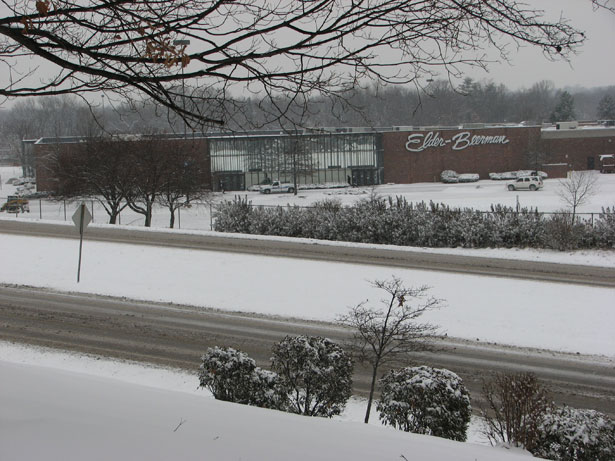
<point>64,210</point>
<point>179,218</point>
<point>211,218</point>
<point>40,209</point>
<point>92,210</point>
<point>183,43</point>
<point>82,214</point>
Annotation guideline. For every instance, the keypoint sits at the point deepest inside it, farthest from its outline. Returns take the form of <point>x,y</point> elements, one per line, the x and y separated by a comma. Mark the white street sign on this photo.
<point>82,217</point>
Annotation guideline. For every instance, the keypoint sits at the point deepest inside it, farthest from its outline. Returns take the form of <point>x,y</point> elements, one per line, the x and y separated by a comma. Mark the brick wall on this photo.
<point>440,150</point>
<point>577,149</point>
<point>45,154</point>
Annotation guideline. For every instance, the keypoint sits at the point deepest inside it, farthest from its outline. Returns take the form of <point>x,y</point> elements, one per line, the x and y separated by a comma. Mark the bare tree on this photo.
<point>147,172</point>
<point>186,178</point>
<point>98,169</point>
<point>535,155</point>
<point>285,51</point>
<point>296,160</point>
<point>516,404</point>
<point>577,189</point>
<point>390,330</point>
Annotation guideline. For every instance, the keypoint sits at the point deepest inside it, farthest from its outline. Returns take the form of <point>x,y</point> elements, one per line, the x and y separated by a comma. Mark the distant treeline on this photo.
<point>439,104</point>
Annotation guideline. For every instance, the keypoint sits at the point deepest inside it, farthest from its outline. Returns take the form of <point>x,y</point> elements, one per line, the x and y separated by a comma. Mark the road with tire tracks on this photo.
<point>178,335</point>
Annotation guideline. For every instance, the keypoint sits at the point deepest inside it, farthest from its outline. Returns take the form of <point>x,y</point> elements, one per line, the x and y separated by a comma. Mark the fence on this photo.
<point>196,216</point>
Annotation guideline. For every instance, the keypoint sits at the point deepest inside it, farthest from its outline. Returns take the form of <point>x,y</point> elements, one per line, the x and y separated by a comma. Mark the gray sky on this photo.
<point>594,65</point>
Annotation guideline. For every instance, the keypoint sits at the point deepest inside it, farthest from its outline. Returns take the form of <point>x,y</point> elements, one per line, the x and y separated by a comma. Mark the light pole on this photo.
<point>102,100</point>
<point>185,44</point>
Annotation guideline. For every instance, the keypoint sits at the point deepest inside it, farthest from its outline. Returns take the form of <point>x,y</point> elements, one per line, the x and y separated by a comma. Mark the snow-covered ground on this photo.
<point>71,416</point>
<point>58,406</point>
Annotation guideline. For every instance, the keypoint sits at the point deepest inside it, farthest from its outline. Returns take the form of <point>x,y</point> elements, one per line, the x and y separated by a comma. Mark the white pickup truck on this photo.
<point>277,187</point>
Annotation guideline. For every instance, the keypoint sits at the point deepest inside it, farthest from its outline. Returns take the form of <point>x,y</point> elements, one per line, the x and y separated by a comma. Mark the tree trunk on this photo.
<point>172,221</point>
<point>371,393</point>
<point>148,215</point>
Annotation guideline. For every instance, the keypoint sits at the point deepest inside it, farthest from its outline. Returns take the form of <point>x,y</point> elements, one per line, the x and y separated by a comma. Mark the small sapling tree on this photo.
<point>516,404</point>
<point>315,373</point>
<point>425,400</point>
<point>384,332</point>
<point>576,190</point>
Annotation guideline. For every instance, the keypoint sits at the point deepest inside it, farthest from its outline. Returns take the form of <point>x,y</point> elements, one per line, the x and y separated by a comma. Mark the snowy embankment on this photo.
<point>124,411</point>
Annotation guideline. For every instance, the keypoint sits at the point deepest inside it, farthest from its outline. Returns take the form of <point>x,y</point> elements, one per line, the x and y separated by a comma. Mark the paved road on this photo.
<point>318,250</point>
<point>178,335</point>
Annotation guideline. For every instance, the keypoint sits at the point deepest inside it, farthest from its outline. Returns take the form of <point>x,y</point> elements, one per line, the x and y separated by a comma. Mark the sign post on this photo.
<point>81,218</point>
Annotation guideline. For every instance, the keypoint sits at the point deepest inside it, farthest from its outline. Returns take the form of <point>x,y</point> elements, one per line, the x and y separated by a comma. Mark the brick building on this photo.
<point>366,156</point>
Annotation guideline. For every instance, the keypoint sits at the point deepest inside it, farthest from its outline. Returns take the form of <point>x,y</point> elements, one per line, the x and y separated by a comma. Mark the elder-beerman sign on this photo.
<point>419,142</point>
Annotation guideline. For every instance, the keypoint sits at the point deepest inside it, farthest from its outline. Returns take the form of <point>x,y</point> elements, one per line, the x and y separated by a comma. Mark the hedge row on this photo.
<point>398,222</point>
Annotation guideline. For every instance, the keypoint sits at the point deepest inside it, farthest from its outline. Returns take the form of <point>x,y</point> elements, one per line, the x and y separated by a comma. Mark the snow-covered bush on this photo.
<point>516,404</point>
<point>568,233</point>
<point>236,215</point>
<point>425,400</point>
<point>266,391</point>
<point>232,376</point>
<point>395,221</point>
<point>315,373</point>
<point>569,434</point>
<point>604,228</point>
<point>449,176</point>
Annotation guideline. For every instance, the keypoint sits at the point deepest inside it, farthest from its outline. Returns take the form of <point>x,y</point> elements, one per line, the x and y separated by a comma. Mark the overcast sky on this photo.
<point>594,65</point>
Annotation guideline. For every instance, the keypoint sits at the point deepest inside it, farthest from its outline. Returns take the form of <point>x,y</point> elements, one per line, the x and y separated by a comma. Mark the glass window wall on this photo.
<point>319,159</point>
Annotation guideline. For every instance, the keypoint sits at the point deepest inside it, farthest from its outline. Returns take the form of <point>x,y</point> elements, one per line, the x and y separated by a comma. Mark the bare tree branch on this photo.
<point>577,189</point>
<point>286,49</point>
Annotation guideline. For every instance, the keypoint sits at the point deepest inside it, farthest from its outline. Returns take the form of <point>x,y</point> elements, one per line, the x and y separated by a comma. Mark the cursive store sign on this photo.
<point>419,142</point>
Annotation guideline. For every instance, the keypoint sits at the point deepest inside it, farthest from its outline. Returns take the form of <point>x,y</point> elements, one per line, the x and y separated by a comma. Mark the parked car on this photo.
<point>607,163</point>
<point>468,177</point>
<point>277,187</point>
<point>507,175</point>
<point>526,183</point>
<point>449,177</point>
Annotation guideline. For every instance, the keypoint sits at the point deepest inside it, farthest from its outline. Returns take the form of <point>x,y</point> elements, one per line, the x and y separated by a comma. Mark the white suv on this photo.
<point>526,183</point>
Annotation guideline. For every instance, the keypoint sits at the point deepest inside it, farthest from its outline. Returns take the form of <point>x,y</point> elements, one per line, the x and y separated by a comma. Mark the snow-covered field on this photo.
<point>76,416</point>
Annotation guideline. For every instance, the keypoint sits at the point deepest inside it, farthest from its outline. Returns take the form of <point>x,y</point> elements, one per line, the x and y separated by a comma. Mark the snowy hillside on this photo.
<point>54,414</point>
